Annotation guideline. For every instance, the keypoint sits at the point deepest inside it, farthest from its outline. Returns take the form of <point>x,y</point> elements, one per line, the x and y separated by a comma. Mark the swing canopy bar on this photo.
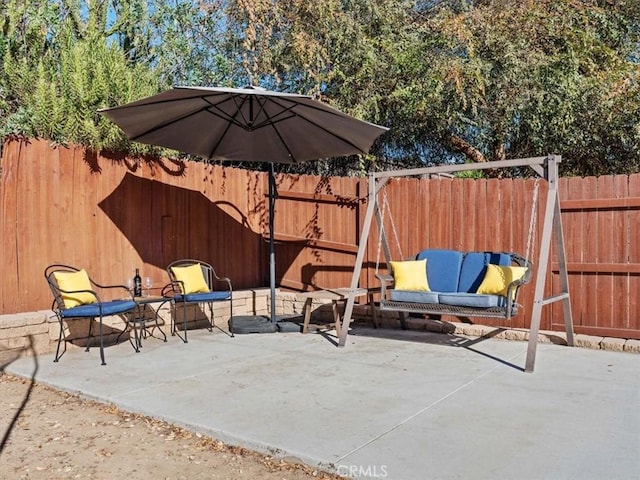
<point>536,163</point>
<point>546,168</point>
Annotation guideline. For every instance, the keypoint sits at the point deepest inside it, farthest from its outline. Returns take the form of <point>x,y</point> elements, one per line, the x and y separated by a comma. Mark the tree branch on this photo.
<point>459,145</point>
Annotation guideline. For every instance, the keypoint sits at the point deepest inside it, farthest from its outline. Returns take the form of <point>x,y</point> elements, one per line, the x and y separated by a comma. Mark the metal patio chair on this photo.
<point>193,282</point>
<point>75,295</point>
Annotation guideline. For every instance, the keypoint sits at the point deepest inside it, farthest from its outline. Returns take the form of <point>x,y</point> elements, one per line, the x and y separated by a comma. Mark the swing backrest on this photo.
<point>451,271</point>
<point>443,269</point>
<point>474,268</point>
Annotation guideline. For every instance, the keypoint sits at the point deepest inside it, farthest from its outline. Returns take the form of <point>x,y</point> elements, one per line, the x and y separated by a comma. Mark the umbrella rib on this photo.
<point>291,155</point>
<point>225,116</point>
<point>166,124</point>
<point>317,125</point>
<point>220,138</point>
<point>248,124</point>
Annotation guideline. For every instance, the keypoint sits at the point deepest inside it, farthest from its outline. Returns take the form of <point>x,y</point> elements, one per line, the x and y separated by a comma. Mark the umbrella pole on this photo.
<point>272,250</point>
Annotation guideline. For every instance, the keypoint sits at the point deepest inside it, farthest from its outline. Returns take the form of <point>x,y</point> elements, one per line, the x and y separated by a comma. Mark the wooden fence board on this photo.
<point>589,238</point>
<point>573,229</point>
<point>606,251</point>
<point>619,231</point>
<point>470,221</point>
<point>633,249</point>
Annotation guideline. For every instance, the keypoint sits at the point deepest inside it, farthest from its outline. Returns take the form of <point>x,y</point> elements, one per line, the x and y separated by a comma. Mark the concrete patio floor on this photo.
<point>392,404</point>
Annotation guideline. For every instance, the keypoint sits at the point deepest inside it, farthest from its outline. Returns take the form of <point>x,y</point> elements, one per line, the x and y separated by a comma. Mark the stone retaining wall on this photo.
<point>37,332</point>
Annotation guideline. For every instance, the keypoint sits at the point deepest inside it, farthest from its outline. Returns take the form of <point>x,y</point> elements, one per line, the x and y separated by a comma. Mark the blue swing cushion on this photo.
<point>465,279</point>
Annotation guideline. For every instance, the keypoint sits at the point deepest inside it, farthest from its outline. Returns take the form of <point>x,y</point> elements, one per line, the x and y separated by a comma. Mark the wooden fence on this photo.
<point>111,214</point>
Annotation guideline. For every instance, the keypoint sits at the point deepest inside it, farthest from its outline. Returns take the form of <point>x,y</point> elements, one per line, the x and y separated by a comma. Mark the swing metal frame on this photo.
<point>546,168</point>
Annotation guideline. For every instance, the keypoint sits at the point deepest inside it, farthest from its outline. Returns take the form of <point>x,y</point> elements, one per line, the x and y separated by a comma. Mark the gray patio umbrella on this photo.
<point>248,124</point>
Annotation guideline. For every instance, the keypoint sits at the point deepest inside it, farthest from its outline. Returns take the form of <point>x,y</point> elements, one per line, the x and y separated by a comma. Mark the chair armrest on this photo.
<point>385,280</point>
<point>92,292</point>
<point>225,280</point>
<point>124,288</point>
<point>514,288</point>
<point>168,290</point>
<point>172,289</point>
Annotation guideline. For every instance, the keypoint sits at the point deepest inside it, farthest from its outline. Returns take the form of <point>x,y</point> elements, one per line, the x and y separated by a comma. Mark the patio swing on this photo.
<point>457,294</point>
<point>438,281</point>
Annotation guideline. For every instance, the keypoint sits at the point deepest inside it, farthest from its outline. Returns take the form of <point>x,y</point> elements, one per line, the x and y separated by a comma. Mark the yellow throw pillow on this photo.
<point>498,278</point>
<point>410,275</point>
<point>192,278</point>
<point>72,282</point>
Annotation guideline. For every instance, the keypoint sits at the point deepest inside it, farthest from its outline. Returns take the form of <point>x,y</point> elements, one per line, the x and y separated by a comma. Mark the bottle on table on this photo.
<point>137,284</point>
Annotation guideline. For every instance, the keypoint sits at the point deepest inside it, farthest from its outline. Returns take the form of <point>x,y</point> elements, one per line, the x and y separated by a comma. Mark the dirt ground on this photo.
<point>48,434</point>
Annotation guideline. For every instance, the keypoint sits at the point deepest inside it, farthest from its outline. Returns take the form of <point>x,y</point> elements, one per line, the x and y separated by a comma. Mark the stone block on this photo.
<point>23,331</point>
<point>414,323</point>
<point>516,335</point>
<point>9,355</point>
<point>588,341</point>
<point>473,330</point>
<point>613,344</point>
<point>14,343</point>
<point>16,320</point>
<point>632,346</point>
<point>557,338</point>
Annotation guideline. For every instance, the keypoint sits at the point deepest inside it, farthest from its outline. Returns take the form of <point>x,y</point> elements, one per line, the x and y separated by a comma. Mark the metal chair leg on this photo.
<point>60,339</point>
<point>89,335</point>
<point>101,343</point>
<point>184,322</point>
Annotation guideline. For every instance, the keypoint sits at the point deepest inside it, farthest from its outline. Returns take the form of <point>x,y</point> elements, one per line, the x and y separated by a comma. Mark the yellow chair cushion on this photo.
<point>74,281</point>
<point>192,279</point>
<point>410,275</point>
<point>498,278</point>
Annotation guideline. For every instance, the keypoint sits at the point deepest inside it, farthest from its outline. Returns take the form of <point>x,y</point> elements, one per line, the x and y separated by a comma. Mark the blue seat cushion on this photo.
<point>413,296</point>
<point>443,269</point>
<point>474,300</point>
<point>114,307</point>
<point>204,297</point>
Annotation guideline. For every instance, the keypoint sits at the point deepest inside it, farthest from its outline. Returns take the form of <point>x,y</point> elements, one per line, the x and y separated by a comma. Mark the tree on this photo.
<point>456,80</point>
<point>59,66</point>
<point>495,79</point>
<point>188,45</point>
<point>337,50</point>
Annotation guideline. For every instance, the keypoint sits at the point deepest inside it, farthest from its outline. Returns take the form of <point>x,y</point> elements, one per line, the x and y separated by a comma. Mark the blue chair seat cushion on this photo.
<point>474,300</point>
<point>413,296</point>
<point>114,307</point>
<point>204,297</point>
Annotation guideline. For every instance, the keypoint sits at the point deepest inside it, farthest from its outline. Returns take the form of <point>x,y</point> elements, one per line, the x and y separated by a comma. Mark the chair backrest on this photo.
<point>58,301</point>
<point>207,270</point>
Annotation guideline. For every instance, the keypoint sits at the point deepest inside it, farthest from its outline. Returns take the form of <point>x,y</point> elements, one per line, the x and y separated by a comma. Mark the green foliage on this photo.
<point>187,46</point>
<point>55,80</point>
<point>456,80</point>
<point>502,79</point>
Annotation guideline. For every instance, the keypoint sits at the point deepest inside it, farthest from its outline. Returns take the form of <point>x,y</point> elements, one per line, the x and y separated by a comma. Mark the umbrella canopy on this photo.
<point>246,124</point>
